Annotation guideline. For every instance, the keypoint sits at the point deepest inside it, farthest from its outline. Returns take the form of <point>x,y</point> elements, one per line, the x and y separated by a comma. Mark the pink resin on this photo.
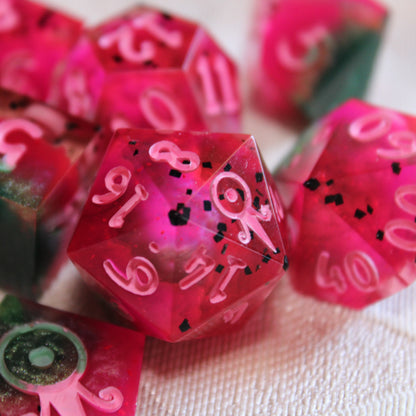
<point>350,191</point>
<point>182,231</point>
<point>154,70</point>
<point>56,363</point>
<point>35,41</point>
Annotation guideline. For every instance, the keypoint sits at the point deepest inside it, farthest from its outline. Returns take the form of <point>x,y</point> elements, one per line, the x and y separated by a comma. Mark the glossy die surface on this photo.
<point>182,230</point>
<point>46,164</point>
<point>56,363</point>
<point>153,70</point>
<point>311,55</point>
<point>350,191</point>
<point>35,40</point>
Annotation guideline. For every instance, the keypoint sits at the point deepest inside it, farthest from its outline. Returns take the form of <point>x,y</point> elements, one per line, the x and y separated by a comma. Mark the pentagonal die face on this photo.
<point>150,69</point>
<point>182,230</point>
<point>46,165</point>
<point>312,55</point>
<point>34,42</point>
<point>351,197</point>
<point>55,363</point>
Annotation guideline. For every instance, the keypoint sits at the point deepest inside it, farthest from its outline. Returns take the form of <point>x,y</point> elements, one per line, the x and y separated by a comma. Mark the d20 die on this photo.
<point>182,231</point>
<point>35,40</point>
<point>46,164</point>
<point>154,70</point>
<point>310,56</point>
<point>54,362</point>
<point>350,191</point>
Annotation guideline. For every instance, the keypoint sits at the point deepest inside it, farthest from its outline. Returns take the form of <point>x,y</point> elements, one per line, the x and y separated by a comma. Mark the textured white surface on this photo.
<point>297,356</point>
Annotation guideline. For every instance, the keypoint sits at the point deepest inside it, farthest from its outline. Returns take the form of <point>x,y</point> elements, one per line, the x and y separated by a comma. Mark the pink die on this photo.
<point>56,363</point>
<point>182,231</point>
<point>34,40</point>
<point>309,56</point>
<point>151,69</point>
<point>351,197</point>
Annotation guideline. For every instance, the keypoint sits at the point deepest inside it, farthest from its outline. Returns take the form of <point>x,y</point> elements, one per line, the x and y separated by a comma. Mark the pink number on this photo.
<point>9,18</point>
<point>359,269</point>
<point>248,217</point>
<point>404,143</point>
<point>116,188</point>
<point>48,116</point>
<point>234,314</point>
<point>309,39</point>
<point>77,94</point>
<point>141,277</point>
<point>370,126</point>
<point>176,120</point>
<point>222,71</point>
<point>169,152</point>
<point>401,200</point>
<point>199,266</point>
<point>124,38</point>
<point>13,152</point>
<point>406,227</point>
<point>217,293</point>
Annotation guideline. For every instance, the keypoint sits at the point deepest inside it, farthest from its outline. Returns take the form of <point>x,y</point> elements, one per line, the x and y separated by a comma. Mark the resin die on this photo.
<point>153,70</point>
<point>312,55</point>
<point>74,365</point>
<point>35,41</point>
<point>350,191</point>
<point>182,231</point>
<point>47,161</point>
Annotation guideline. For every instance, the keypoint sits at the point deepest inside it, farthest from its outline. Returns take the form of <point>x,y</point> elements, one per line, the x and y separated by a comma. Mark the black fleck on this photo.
<point>186,162</point>
<point>266,258</point>
<point>175,173</point>
<point>132,142</point>
<point>136,152</point>
<point>224,248</point>
<point>370,209</point>
<point>71,125</point>
<point>330,182</point>
<point>221,197</point>
<point>218,237</point>
<point>256,202</point>
<point>251,234</point>
<point>219,268</point>
<point>227,167</point>
<point>222,226</point>
<point>207,206</point>
<point>247,271</point>
<point>380,235</point>
<point>189,192</point>
<point>259,177</point>
<point>117,58</point>
<point>395,166</point>
<point>43,20</point>
<point>337,198</point>
<point>285,263</point>
<point>313,184</point>
<point>184,326</point>
<point>21,103</point>
<point>180,216</point>
<point>277,251</point>
<point>166,16</point>
<point>359,214</point>
<point>207,165</point>
<point>241,193</point>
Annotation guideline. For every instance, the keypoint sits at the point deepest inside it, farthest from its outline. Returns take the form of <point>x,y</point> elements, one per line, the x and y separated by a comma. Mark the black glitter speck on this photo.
<point>259,177</point>
<point>219,268</point>
<point>241,193</point>
<point>227,167</point>
<point>380,235</point>
<point>184,326</point>
<point>175,173</point>
<point>313,184</point>
<point>370,209</point>
<point>266,258</point>
<point>256,202</point>
<point>43,20</point>
<point>207,165</point>
<point>71,125</point>
<point>222,226</point>
<point>207,206</point>
<point>136,152</point>
<point>337,198</point>
<point>359,214</point>
<point>285,263</point>
<point>330,182</point>
<point>221,197</point>
<point>396,168</point>
<point>189,192</point>
<point>180,216</point>
<point>132,142</point>
<point>117,59</point>
<point>218,237</point>
<point>224,248</point>
<point>166,16</point>
<point>247,271</point>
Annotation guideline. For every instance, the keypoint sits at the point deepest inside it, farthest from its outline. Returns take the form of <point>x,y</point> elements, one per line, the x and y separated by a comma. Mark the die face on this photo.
<point>202,232</point>
<point>35,40</point>
<point>359,190</point>
<point>74,365</point>
<point>47,162</point>
<point>141,68</point>
<point>310,61</point>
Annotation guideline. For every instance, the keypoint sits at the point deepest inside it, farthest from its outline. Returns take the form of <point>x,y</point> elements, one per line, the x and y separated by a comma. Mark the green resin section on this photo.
<point>12,313</point>
<point>348,77</point>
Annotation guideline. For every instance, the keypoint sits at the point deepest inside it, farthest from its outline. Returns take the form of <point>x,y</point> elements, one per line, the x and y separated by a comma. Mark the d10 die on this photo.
<point>351,197</point>
<point>182,230</point>
<point>58,363</point>
<point>35,40</point>
<point>46,164</point>
<point>150,69</point>
<point>312,55</point>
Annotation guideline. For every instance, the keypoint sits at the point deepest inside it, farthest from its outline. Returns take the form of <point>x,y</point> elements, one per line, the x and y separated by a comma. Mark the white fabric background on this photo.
<point>296,356</point>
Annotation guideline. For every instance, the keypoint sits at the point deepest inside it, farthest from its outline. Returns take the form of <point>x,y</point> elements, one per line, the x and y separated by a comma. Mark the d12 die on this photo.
<point>312,55</point>
<point>154,70</point>
<point>351,197</point>
<point>182,230</point>
<point>58,363</point>
<point>35,40</point>
<point>46,164</point>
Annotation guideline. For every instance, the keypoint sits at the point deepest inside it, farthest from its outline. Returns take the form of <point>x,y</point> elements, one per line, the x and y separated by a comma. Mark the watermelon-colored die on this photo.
<point>311,55</point>
<point>35,40</point>
<point>151,69</point>
<point>47,161</point>
<point>182,230</point>
<point>56,363</point>
<point>350,191</point>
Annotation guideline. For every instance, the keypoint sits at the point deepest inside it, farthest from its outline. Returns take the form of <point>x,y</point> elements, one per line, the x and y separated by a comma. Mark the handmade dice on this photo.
<point>151,69</point>
<point>350,190</point>
<point>53,362</point>
<point>309,56</point>
<point>46,164</point>
<point>35,40</point>
<point>182,231</point>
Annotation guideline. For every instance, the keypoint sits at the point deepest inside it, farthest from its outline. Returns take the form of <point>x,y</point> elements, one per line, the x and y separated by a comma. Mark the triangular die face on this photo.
<point>239,202</point>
